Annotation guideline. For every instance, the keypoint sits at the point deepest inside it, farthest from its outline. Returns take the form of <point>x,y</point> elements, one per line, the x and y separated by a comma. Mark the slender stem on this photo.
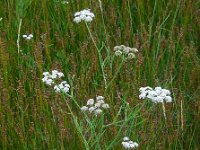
<point>181,115</point>
<point>164,112</point>
<point>99,56</point>
<point>77,124</point>
<point>18,38</point>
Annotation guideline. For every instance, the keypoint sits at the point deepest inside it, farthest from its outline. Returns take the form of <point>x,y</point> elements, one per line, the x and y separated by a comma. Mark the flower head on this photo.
<point>95,107</point>
<point>27,37</point>
<point>157,95</point>
<point>128,52</point>
<point>128,144</point>
<point>84,15</point>
<point>50,79</point>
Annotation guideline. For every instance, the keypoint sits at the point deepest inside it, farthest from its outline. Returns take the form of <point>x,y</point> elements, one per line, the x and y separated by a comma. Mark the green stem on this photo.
<point>99,56</point>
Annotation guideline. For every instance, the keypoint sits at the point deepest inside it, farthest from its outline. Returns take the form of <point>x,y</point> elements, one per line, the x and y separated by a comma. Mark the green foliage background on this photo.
<point>166,33</point>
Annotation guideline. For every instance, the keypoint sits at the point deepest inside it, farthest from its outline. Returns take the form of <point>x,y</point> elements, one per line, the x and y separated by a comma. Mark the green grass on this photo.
<point>166,33</point>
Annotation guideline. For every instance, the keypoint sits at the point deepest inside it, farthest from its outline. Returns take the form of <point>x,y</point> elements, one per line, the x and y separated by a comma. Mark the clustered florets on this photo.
<point>63,86</point>
<point>50,79</point>
<point>95,107</point>
<point>28,37</point>
<point>84,15</point>
<point>128,144</point>
<point>127,51</point>
<point>157,95</point>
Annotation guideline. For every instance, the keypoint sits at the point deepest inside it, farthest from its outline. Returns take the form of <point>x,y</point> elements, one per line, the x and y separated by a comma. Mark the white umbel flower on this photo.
<point>96,106</point>
<point>128,52</point>
<point>27,37</point>
<point>157,95</point>
<point>128,144</point>
<point>50,79</point>
<point>84,15</point>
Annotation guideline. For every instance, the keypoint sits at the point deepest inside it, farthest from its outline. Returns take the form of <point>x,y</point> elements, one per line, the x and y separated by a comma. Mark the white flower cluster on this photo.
<point>84,15</point>
<point>63,86</point>
<point>28,37</point>
<point>157,95</point>
<point>128,144</point>
<point>49,79</point>
<point>95,107</point>
<point>1,19</point>
<point>127,51</point>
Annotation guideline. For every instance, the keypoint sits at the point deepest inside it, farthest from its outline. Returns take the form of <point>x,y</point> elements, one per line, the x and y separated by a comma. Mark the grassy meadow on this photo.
<point>166,34</point>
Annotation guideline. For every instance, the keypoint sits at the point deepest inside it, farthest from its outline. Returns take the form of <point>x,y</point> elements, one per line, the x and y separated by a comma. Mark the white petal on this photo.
<point>88,19</point>
<point>28,38</point>
<point>84,108</point>
<point>98,98</point>
<point>126,138</point>
<point>168,99</point>
<point>97,105</point>
<point>31,35</point>
<point>91,109</point>
<point>105,106</point>
<point>77,19</point>
<point>126,145</point>
<point>24,36</point>
<point>98,111</point>
<point>90,102</point>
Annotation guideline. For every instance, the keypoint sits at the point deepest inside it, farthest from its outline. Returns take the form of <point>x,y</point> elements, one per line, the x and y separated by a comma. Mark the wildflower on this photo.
<point>62,87</point>
<point>84,15</point>
<point>96,107</point>
<point>50,79</point>
<point>28,37</point>
<point>1,19</point>
<point>157,95</point>
<point>128,144</point>
<point>127,51</point>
